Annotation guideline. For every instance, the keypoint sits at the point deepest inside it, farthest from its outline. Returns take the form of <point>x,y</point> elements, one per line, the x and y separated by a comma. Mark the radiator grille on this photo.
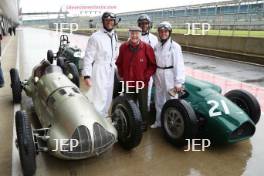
<point>102,139</point>
<point>84,148</point>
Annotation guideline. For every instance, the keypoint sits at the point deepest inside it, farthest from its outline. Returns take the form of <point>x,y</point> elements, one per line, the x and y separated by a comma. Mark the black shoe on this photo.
<point>2,85</point>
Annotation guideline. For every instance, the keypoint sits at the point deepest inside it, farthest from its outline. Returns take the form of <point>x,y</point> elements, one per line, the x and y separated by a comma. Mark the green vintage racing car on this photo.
<point>201,111</point>
<point>66,54</point>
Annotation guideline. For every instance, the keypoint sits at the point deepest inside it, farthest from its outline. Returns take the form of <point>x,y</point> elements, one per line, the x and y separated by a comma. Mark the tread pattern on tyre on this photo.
<point>24,132</point>
<point>135,123</point>
<point>252,103</point>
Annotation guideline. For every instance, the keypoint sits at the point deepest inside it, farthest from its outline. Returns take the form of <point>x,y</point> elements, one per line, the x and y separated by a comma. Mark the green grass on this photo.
<point>238,33</point>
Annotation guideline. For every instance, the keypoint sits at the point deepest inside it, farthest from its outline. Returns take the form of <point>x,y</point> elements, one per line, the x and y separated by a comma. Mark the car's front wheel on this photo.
<point>26,145</point>
<point>247,102</point>
<point>127,119</point>
<point>178,121</point>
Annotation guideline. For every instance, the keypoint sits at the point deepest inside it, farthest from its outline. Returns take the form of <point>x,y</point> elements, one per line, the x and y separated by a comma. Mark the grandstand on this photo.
<point>235,15</point>
<point>228,18</point>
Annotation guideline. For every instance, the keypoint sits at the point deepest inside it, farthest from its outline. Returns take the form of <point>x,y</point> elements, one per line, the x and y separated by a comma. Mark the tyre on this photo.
<point>50,56</point>
<point>128,122</point>
<point>60,62</point>
<point>247,102</point>
<point>25,142</point>
<point>15,85</point>
<point>178,121</point>
<point>70,68</point>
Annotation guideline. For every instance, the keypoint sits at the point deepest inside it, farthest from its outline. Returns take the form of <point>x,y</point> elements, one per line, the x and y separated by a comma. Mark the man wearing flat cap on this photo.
<point>136,63</point>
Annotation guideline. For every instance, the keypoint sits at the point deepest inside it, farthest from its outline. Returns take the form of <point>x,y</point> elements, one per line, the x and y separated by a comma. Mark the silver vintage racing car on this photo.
<point>71,128</point>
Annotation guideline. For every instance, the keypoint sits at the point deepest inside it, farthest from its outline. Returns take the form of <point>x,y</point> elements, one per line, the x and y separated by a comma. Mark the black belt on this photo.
<point>164,68</point>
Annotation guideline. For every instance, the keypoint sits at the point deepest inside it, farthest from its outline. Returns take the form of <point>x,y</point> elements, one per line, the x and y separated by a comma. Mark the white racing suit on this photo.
<point>99,63</point>
<point>152,40</point>
<point>170,72</point>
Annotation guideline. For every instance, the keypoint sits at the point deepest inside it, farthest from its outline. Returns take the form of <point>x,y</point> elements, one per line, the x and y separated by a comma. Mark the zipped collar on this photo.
<point>146,33</point>
<point>167,43</point>
<point>107,32</point>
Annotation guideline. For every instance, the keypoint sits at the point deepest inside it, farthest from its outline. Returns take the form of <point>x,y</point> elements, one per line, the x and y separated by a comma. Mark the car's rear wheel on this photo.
<point>178,121</point>
<point>50,56</point>
<point>247,102</point>
<point>70,68</point>
<point>60,62</point>
<point>25,142</point>
<point>15,85</point>
<point>127,119</point>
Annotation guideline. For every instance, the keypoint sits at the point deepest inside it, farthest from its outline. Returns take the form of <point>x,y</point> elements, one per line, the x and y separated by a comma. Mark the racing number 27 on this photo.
<point>215,104</point>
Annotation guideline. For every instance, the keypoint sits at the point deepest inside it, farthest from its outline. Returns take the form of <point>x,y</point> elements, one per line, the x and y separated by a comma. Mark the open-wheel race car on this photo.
<point>71,128</point>
<point>66,54</point>
<point>201,111</point>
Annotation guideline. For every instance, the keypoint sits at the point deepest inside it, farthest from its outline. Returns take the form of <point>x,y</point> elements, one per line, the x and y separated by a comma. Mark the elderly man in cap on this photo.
<point>98,70</point>
<point>136,63</point>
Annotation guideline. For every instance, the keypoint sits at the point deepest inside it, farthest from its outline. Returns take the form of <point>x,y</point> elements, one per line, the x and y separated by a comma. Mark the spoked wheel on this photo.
<point>174,123</point>
<point>247,102</point>
<point>26,145</point>
<point>178,122</point>
<point>50,56</point>
<point>127,119</point>
<point>15,85</point>
<point>70,68</point>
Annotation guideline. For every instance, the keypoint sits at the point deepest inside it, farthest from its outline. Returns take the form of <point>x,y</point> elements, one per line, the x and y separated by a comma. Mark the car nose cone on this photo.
<point>102,140</point>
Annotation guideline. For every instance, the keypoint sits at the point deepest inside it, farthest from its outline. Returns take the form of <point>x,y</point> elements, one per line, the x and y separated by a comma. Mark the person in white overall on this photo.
<point>99,61</point>
<point>145,23</point>
<point>170,69</point>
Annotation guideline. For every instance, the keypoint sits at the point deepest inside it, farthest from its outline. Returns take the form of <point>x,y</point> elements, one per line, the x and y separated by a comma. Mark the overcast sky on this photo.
<point>121,5</point>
